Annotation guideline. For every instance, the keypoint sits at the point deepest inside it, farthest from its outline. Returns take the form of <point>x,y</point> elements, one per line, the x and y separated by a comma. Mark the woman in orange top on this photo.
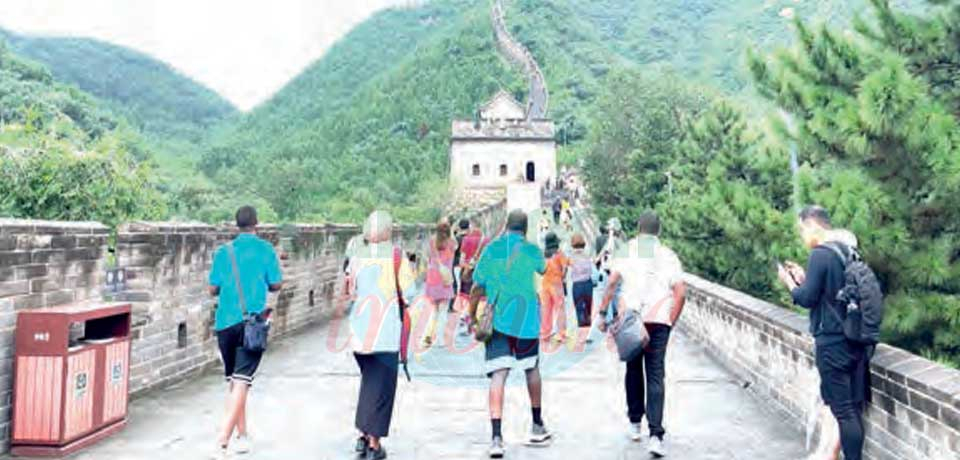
<point>551,290</point>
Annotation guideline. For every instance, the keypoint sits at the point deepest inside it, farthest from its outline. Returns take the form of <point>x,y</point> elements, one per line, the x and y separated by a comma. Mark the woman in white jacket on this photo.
<point>376,325</point>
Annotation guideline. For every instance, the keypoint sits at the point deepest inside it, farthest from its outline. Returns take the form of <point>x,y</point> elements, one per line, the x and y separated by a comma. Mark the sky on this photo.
<point>245,50</point>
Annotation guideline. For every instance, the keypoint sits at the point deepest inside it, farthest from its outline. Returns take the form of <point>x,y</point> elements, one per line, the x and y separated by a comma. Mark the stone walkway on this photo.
<point>303,402</point>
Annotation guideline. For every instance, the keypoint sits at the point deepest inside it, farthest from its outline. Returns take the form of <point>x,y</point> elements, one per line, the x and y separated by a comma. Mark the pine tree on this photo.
<point>729,216</point>
<point>880,141</point>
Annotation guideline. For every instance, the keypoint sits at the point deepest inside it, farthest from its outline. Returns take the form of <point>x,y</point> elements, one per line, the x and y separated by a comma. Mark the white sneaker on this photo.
<point>220,453</point>
<point>496,448</point>
<point>636,431</point>
<point>658,448</point>
<point>242,445</point>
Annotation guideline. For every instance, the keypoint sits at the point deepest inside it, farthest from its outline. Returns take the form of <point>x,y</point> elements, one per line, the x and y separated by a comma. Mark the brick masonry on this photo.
<point>915,412</point>
<point>45,263</point>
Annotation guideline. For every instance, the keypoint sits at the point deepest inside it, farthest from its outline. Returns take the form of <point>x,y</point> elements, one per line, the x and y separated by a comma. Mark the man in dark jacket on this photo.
<point>842,364</point>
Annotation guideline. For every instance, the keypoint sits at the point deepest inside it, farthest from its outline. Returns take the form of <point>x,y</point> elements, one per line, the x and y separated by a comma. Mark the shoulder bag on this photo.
<point>256,327</point>
<point>404,312</point>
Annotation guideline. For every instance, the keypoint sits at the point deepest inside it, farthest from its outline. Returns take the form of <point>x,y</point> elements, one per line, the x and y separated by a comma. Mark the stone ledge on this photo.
<point>919,396</point>
<point>16,226</point>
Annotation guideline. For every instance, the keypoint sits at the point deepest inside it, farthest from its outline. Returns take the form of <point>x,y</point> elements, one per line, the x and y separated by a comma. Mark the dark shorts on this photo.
<point>504,352</point>
<point>844,373</point>
<point>238,364</point>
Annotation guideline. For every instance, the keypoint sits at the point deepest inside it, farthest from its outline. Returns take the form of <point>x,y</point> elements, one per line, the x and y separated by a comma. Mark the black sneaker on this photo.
<point>361,446</point>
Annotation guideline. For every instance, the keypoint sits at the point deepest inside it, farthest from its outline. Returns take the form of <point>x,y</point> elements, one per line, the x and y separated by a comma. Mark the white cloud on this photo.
<point>244,49</point>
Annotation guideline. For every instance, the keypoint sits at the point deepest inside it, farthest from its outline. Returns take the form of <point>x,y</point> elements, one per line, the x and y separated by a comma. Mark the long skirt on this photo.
<point>378,387</point>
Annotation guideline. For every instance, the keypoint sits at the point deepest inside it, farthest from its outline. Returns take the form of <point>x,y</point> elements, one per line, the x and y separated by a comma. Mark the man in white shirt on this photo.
<point>647,276</point>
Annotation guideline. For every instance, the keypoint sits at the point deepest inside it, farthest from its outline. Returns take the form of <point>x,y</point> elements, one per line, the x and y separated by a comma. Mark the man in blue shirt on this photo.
<point>257,271</point>
<point>507,272</point>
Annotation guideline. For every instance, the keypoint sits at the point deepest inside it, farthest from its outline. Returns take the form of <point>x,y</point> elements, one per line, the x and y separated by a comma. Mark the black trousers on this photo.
<point>845,386</point>
<point>378,387</point>
<point>646,372</point>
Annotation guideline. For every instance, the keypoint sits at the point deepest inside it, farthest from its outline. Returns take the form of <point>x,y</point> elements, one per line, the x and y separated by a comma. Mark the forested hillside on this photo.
<point>873,117</point>
<point>369,124</point>
<point>62,156</point>
<point>150,94</point>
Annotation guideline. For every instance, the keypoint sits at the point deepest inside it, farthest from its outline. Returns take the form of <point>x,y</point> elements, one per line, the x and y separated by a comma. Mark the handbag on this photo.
<point>629,334</point>
<point>484,331</point>
<point>446,273</point>
<point>407,323</point>
<point>256,327</point>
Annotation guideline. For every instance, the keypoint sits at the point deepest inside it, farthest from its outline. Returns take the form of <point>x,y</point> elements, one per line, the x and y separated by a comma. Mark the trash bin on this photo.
<point>71,377</point>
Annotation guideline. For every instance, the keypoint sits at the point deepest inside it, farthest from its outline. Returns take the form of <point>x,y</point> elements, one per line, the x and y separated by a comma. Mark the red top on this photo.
<point>469,245</point>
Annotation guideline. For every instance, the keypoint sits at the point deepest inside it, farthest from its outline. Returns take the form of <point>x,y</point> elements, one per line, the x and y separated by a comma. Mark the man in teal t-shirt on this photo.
<point>257,272</point>
<point>507,272</point>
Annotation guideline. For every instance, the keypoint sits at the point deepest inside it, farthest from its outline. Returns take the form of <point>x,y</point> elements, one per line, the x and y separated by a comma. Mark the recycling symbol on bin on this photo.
<point>116,372</point>
<point>81,387</point>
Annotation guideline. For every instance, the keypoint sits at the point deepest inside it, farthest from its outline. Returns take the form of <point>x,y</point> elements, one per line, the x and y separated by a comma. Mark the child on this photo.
<point>584,276</point>
<point>551,290</point>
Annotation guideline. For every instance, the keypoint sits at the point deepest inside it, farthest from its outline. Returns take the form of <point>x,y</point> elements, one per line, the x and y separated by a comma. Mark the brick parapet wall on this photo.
<point>915,412</point>
<point>42,264</point>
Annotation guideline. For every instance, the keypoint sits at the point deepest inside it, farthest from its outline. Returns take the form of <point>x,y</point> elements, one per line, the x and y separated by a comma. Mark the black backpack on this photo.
<point>861,297</point>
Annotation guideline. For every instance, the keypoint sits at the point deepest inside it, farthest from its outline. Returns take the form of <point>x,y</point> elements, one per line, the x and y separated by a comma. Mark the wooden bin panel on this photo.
<point>39,388</point>
<point>78,414</point>
<point>115,381</point>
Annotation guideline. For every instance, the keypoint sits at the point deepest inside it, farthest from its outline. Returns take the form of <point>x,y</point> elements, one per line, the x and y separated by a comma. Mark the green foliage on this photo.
<point>103,184</point>
<point>635,140</point>
<point>154,97</point>
<point>878,132</point>
<point>729,215</point>
<point>369,125</point>
<point>63,157</point>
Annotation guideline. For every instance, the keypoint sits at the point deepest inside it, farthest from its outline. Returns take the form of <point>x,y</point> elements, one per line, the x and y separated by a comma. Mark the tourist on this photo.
<point>557,207</point>
<point>648,276</point>
<point>379,272</point>
<point>470,250</point>
<point>842,364</point>
<point>462,228</point>
<point>543,227</point>
<point>438,288</point>
<point>243,271</point>
<point>506,272</point>
<point>583,276</point>
<point>552,297</point>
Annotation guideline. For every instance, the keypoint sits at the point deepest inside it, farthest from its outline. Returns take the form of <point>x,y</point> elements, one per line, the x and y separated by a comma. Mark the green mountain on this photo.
<point>153,96</point>
<point>368,124</point>
<point>64,156</point>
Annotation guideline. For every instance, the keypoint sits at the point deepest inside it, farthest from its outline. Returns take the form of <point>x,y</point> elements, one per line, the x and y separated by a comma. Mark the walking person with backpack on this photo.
<point>510,325</point>
<point>380,328</point>
<point>243,271</point>
<point>646,280</point>
<point>439,285</point>
<point>846,309</point>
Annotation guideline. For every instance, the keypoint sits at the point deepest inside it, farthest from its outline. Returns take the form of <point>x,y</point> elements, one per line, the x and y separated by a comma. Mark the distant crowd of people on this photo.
<point>510,289</point>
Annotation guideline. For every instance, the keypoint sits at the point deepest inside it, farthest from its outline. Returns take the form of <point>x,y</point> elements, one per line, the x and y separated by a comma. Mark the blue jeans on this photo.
<point>583,301</point>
